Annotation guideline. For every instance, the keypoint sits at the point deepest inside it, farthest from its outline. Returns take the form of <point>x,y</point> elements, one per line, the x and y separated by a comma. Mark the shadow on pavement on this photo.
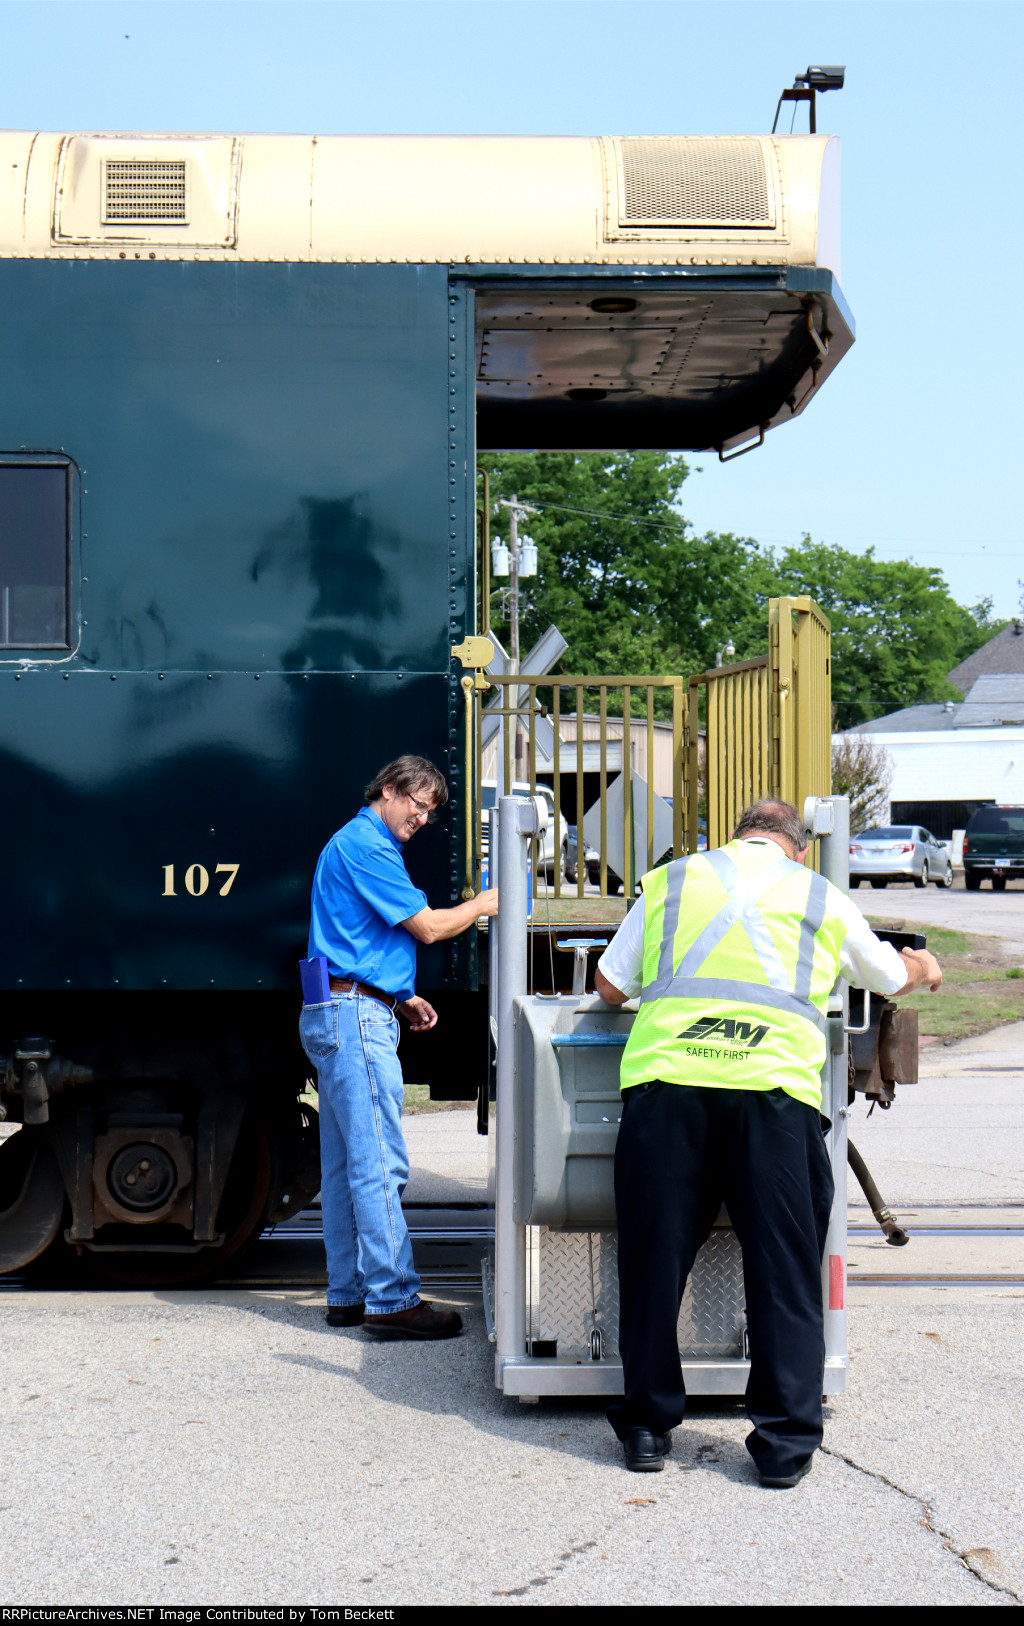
<point>455,1378</point>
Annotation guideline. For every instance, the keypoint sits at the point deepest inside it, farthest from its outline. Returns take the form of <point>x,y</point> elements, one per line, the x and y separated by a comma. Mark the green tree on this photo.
<point>634,590</point>
<point>896,629</point>
<point>620,573</point>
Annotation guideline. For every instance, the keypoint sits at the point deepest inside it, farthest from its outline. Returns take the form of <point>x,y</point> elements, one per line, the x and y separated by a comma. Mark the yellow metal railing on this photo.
<point>800,638</point>
<point>739,742</point>
<point>533,714</point>
<point>769,720</point>
<point>482,570</point>
<point>768,726</point>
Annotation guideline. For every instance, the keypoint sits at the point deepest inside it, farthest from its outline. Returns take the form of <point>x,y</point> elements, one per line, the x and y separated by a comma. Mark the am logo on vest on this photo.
<point>747,1034</point>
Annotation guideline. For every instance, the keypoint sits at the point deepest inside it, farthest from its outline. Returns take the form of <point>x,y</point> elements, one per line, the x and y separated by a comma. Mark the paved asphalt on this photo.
<point>229,1448</point>
<point>226,1447</point>
<point>1001,914</point>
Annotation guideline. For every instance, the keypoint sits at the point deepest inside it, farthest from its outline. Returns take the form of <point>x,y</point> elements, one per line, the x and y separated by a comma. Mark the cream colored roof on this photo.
<point>419,199</point>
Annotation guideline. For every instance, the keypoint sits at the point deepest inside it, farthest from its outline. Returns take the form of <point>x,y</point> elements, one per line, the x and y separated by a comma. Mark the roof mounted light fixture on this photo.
<point>806,85</point>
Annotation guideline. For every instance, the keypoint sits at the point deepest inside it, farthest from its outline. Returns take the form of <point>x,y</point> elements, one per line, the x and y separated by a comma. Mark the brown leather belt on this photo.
<point>344,985</point>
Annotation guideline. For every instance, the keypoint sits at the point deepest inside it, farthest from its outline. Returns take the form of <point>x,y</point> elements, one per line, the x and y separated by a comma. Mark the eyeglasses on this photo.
<point>426,813</point>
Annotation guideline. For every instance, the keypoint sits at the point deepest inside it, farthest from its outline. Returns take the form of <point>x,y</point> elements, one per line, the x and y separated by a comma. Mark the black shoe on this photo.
<point>786,1481</point>
<point>345,1315</point>
<point>646,1451</point>
<point>421,1321</point>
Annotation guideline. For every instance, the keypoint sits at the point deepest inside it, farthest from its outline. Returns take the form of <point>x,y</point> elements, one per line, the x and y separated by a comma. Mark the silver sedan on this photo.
<point>900,852</point>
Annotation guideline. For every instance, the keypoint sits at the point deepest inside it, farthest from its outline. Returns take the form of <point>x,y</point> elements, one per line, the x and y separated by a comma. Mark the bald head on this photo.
<point>772,817</point>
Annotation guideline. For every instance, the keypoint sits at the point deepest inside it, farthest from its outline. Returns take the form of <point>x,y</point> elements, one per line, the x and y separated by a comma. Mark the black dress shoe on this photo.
<point>345,1315</point>
<point>646,1451</point>
<point>786,1481</point>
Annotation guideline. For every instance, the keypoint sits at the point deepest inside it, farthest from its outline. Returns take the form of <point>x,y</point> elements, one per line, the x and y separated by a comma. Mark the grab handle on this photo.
<point>867,1016</point>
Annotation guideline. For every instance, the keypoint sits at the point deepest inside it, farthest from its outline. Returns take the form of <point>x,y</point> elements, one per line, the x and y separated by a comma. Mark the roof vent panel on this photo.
<point>145,191</point>
<point>692,183</point>
<point>163,191</point>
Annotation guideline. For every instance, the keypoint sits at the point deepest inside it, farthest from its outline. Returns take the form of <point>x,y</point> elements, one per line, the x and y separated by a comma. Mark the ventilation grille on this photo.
<point>145,191</point>
<point>694,181</point>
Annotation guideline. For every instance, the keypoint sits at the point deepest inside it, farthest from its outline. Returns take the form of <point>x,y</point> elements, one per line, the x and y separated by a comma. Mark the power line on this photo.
<point>625,519</point>
<point>935,553</point>
<point>776,541</point>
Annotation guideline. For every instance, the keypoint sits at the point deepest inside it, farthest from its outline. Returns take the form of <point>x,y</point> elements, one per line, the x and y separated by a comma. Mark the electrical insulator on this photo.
<point>527,556</point>
<point>499,559</point>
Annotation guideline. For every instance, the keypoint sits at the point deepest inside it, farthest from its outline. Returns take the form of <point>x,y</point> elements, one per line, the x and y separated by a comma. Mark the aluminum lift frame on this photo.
<point>514,823</point>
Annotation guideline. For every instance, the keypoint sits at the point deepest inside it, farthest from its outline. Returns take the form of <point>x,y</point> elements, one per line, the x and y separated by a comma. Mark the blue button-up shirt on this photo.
<point>361,891</point>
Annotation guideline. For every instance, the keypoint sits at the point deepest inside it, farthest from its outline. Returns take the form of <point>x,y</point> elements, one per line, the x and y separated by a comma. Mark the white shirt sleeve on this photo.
<point>623,960</point>
<point>864,959</point>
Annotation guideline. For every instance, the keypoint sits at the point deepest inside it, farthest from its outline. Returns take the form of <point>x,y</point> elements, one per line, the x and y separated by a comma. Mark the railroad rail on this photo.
<point>469,1226</point>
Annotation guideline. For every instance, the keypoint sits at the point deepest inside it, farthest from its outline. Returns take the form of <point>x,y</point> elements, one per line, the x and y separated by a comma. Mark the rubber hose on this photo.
<point>895,1235</point>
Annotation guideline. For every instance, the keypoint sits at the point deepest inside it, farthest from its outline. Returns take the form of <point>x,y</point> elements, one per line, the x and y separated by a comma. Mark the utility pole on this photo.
<point>513,642</point>
<point>513,573</point>
<point>522,561</point>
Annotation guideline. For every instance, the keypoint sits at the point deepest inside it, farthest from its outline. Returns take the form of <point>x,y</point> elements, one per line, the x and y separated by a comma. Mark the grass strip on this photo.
<point>417,1099</point>
<point>982,986</point>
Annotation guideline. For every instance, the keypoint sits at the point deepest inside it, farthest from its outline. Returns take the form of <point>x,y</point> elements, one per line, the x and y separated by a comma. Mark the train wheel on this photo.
<point>249,1196</point>
<point>31,1198</point>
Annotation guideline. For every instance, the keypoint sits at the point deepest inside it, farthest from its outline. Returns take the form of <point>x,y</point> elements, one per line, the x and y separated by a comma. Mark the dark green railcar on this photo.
<point>237,452</point>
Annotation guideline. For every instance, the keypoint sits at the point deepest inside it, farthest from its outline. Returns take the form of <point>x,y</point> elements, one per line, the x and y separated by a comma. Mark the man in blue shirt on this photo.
<point>367,918</point>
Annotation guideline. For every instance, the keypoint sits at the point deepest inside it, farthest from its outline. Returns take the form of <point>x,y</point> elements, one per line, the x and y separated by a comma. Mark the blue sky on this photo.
<point>913,444</point>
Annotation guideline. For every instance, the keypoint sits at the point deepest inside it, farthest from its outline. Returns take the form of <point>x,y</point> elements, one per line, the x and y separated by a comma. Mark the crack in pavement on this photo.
<point>965,1556</point>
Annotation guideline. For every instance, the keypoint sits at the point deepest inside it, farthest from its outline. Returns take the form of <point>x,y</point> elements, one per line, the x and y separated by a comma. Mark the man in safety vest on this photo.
<point>733,953</point>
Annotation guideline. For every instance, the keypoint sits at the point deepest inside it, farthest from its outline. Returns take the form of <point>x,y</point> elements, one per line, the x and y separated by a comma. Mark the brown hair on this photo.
<point>406,776</point>
<point>771,817</point>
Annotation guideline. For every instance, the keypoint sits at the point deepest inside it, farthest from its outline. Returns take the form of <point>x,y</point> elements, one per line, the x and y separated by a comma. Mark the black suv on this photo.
<point>994,846</point>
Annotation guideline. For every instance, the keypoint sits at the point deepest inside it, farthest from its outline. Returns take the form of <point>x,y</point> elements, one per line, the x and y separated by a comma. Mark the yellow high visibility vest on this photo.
<point>741,951</point>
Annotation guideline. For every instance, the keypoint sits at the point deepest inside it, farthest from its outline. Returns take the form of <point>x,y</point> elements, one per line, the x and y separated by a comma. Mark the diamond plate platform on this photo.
<point>573,1291</point>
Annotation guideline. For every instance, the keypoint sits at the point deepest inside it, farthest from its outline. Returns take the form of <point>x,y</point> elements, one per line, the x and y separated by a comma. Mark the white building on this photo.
<point>948,760</point>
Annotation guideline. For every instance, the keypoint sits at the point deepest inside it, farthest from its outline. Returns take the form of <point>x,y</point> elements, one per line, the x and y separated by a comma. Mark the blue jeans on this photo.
<point>352,1042</point>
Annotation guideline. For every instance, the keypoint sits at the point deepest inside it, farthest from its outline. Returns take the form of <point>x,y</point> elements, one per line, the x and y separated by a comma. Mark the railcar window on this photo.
<point>34,554</point>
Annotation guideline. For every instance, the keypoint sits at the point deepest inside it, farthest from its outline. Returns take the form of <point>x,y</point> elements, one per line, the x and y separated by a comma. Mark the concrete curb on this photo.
<point>940,1061</point>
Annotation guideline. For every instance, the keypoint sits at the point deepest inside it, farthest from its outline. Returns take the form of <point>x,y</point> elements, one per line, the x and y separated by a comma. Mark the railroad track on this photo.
<point>942,1230</point>
<point>936,1279</point>
<point>471,1228</point>
<point>965,1221</point>
<point>456,1228</point>
<point>290,1257</point>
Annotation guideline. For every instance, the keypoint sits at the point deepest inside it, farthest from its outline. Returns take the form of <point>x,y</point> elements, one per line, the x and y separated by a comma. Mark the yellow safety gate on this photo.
<point>769,720</point>
<point>766,727</point>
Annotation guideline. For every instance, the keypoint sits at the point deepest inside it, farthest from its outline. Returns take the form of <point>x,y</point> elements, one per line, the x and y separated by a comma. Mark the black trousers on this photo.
<point>682,1151</point>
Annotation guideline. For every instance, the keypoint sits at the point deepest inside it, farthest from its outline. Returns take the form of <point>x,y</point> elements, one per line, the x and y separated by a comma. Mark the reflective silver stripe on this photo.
<point>740,906</point>
<point>683,981</point>
<point>743,993</point>
<point>670,921</point>
<point>716,927</point>
<point>810,926</point>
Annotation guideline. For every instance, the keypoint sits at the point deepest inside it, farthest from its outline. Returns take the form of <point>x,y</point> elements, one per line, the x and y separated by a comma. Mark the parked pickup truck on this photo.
<point>994,847</point>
